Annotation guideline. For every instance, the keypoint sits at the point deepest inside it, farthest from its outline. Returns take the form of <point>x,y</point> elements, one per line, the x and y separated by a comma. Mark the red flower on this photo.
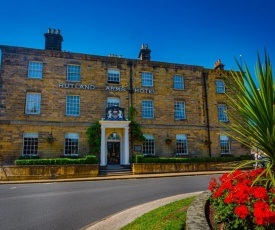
<point>212,184</point>
<point>260,192</point>
<point>242,211</point>
<point>261,212</point>
<point>229,198</point>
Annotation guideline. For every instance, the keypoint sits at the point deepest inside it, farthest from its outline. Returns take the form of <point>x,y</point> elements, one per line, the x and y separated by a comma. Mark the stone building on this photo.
<point>48,99</point>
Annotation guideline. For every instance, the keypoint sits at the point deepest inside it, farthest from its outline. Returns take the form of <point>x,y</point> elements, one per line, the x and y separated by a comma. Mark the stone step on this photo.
<point>115,170</point>
<point>124,173</point>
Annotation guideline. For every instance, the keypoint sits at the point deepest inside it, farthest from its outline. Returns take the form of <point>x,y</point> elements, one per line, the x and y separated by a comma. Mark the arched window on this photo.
<point>113,136</point>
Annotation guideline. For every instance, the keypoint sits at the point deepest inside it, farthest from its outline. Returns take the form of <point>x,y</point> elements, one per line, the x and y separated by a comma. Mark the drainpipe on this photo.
<point>131,91</point>
<point>207,114</point>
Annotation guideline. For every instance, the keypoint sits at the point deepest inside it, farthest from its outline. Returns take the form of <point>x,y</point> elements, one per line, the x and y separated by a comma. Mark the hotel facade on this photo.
<point>49,98</point>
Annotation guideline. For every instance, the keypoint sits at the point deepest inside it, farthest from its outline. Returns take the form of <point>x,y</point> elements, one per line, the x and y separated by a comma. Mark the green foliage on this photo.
<point>170,216</point>
<point>90,159</point>
<point>139,158</point>
<point>94,138</point>
<point>135,128</point>
<point>252,111</point>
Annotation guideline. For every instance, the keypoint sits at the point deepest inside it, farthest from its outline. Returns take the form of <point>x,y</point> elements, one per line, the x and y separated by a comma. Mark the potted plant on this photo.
<point>50,138</point>
<point>168,141</point>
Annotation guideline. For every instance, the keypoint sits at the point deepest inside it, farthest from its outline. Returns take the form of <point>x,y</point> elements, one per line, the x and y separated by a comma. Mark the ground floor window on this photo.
<point>71,144</point>
<point>181,141</point>
<point>225,144</point>
<point>149,145</point>
<point>30,144</point>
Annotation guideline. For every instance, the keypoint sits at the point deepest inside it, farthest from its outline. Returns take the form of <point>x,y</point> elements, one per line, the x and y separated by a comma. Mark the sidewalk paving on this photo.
<point>99,178</point>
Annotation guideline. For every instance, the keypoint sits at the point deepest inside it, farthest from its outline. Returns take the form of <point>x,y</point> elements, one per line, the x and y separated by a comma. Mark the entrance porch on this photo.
<point>114,143</point>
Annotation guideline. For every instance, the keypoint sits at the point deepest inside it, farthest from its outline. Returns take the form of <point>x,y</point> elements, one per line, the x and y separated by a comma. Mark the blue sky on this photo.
<point>196,32</point>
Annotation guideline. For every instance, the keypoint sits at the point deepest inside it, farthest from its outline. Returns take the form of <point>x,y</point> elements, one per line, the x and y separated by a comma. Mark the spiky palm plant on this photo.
<point>252,111</point>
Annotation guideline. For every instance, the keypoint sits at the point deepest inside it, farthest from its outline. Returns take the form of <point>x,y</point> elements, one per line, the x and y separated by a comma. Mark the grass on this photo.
<point>169,217</point>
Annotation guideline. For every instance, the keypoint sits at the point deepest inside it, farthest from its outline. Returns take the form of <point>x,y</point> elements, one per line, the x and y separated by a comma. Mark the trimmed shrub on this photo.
<point>90,159</point>
<point>141,159</point>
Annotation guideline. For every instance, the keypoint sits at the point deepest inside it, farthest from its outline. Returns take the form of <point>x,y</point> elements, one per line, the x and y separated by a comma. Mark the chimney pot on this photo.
<point>218,65</point>
<point>53,40</point>
<point>144,53</point>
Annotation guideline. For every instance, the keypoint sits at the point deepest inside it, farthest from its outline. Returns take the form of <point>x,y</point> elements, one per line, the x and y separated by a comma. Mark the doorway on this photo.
<point>113,152</point>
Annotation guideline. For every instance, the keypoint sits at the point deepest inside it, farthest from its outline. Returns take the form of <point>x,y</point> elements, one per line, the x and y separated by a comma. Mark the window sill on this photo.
<point>113,83</point>
<point>151,86</point>
<point>35,78</point>
<point>32,114</point>
<point>73,81</point>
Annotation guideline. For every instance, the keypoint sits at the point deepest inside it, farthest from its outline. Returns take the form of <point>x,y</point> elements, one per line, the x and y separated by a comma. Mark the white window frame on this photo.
<point>182,145</point>
<point>113,101</point>
<point>69,144</point>
<point>73,107</point>
<point>220,86</point>
<point>33,103</point>
<point>114,76</point>
<point>149,145</point>
<point>179,110</point>
<point>30,144</point>
<point>73,73</point>
<point>35,70</point>
<point>148,109</point>
<point>178,81</point>
<point>147,79</point>
<point>225,144</point>
<point>222,113</point>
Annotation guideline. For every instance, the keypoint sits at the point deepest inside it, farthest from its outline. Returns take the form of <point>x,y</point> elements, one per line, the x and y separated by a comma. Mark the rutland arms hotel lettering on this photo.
<point>108,88</point>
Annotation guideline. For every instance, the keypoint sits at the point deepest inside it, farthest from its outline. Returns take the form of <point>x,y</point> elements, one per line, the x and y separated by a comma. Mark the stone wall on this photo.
<point>141,168</point>
<point>36,172</point>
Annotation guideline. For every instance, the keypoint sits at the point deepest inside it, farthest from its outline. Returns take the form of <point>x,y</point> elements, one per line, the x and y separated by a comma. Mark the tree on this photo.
<point>252,111</point>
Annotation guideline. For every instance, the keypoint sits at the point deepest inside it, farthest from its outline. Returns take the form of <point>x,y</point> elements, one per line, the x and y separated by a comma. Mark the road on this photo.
<point>74,205</point>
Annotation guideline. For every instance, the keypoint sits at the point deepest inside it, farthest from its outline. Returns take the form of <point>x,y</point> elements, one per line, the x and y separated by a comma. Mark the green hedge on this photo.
<point>141,159</point>
<point>90,159</point>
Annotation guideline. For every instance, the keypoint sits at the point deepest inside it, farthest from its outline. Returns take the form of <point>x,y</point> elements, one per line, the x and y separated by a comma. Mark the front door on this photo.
<point>113,152</point>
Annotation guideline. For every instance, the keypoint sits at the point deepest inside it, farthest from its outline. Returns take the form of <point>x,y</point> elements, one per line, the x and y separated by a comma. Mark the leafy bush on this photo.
<point>90,159</point>
<point>139,158</point>
<point>94,138</point>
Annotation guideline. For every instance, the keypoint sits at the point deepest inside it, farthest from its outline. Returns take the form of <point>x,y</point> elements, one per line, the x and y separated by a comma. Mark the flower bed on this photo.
<point>242,202</point>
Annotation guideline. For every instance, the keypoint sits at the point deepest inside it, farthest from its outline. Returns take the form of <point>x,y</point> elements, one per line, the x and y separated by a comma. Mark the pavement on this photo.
<point>121,219</point>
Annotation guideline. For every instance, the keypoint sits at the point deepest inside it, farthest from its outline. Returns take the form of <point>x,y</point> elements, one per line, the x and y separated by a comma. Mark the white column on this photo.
<point>103,157</point>
<point>126,146</point>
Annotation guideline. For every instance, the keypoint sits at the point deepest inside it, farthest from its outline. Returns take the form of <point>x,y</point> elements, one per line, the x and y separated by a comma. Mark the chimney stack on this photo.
<point>53,40</point>
<point>144,53</point>
<point>219,65</point>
